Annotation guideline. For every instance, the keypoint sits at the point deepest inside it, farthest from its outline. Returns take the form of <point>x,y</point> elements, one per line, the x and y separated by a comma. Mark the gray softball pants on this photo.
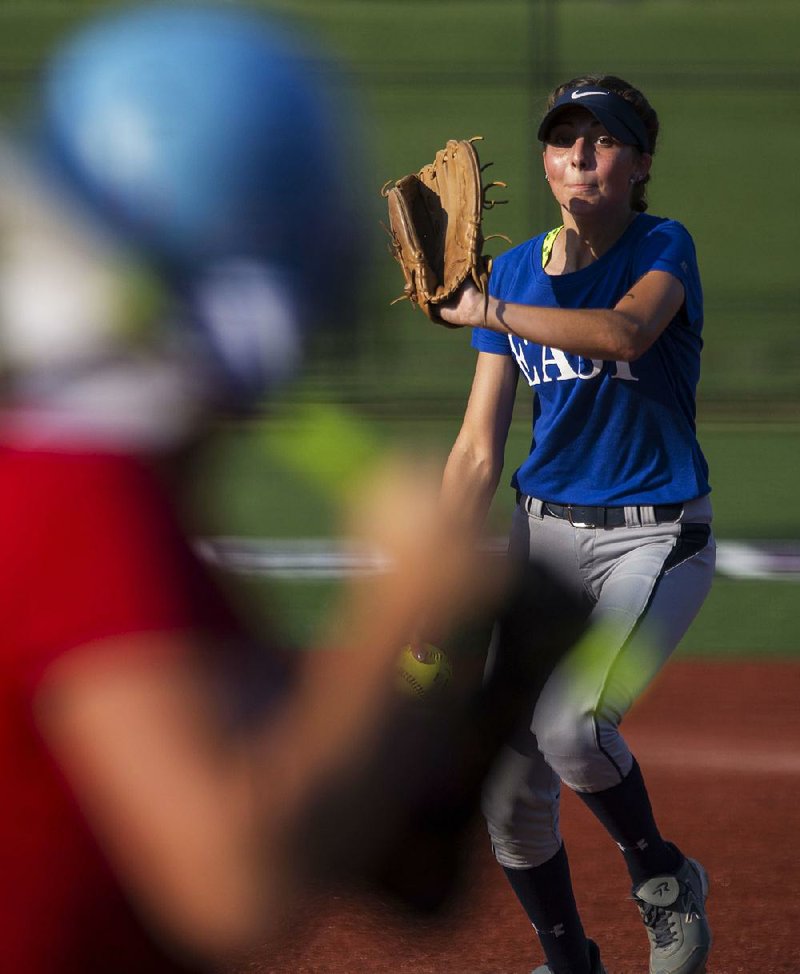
<point>642,585</point>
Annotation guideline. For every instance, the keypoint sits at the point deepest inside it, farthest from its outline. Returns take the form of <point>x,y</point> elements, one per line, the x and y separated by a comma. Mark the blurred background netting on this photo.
<point>724,76</point>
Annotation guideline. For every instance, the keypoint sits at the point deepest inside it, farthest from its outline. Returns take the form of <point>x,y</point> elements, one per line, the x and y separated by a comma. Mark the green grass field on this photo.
<point>744,619</point>
<point>723,74</point>
<point>755,470</point>
<point>725,78</point>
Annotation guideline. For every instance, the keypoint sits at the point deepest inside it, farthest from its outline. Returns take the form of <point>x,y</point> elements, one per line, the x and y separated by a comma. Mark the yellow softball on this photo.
<point>423,678</point>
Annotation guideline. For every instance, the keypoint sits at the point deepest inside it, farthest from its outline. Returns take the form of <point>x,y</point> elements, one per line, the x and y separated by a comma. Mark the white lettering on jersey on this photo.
<point>561,362</point>
<point>525,369</point>
<point>555,357</point>
<point>623,371</point>
<point>597,367</point>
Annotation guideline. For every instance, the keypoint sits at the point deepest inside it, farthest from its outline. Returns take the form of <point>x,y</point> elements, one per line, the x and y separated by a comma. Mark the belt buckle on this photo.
<point>578,524</point>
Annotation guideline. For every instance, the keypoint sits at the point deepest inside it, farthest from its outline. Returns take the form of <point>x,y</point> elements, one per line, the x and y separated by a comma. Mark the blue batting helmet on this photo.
<point>206,138</point>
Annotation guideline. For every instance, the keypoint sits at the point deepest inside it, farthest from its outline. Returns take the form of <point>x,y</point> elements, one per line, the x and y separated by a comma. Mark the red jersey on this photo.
<point>91,549</point>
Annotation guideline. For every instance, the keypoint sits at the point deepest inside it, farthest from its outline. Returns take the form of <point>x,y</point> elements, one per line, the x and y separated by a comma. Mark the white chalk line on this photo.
<point>721,758</point>
<point>315,559</point>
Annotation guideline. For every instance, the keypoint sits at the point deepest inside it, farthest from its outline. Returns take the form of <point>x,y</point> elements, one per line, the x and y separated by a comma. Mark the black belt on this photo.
<point>604,517</point>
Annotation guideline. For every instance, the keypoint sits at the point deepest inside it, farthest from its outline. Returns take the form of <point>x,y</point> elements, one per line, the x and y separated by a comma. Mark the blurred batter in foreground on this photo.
<point>167,233</point>
<point>602,318</point>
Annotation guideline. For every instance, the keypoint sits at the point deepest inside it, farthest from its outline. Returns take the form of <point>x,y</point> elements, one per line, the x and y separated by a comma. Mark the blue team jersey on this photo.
<point>609,433</point>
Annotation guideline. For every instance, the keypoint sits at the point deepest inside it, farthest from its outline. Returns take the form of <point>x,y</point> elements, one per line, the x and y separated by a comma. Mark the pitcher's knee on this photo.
<point>520,803</point>
<point>566,736</point>
<point>522,849</point>
<point>523,826</point>
<point>587,753</point>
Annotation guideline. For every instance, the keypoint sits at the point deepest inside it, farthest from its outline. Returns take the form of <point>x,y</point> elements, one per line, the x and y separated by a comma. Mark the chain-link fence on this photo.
<point>724,77</point>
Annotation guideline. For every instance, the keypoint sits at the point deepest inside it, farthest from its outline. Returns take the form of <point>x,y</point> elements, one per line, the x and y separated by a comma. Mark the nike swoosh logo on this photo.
<point>585,94</point>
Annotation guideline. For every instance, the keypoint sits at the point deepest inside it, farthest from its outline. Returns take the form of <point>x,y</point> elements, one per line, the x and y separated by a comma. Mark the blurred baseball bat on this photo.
<point>398,824</point>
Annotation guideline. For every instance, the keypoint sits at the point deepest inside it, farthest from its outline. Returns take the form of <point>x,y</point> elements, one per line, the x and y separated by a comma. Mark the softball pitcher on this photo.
<point>602,317</point>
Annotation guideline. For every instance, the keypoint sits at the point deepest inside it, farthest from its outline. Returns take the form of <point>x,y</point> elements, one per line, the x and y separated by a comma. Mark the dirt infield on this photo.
<point>719,743</point>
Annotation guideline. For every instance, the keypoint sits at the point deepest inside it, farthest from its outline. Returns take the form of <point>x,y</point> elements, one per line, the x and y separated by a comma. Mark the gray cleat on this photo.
<point>673,911</point>
<point>594,960</point>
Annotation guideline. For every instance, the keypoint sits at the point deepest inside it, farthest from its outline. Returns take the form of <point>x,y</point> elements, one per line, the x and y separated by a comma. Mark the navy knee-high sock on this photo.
<point>545,893</point>
<point>627,815</point>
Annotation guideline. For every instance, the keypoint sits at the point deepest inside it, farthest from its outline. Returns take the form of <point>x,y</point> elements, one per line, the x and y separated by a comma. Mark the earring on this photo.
<point>547,178</point>
<point>633,179</point>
